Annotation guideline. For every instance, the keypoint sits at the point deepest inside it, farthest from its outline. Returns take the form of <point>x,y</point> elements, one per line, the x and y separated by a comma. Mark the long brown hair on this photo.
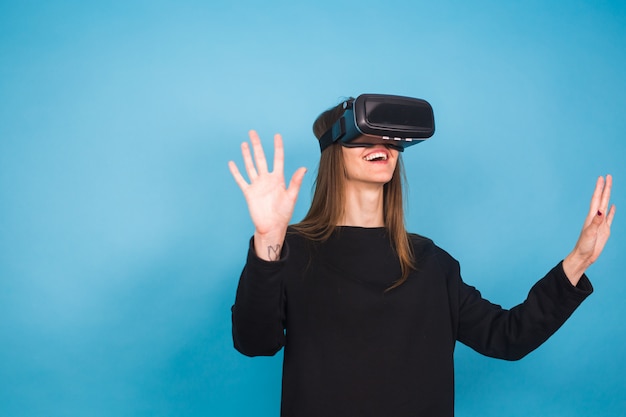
<point>328,198</point>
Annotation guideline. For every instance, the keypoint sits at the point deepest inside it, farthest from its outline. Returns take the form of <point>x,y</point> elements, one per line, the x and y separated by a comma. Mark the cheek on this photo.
<point>395,155</point>
<point>350,157</point>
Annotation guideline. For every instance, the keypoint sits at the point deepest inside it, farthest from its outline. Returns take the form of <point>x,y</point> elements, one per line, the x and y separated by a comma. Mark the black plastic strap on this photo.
<point>332,135</point>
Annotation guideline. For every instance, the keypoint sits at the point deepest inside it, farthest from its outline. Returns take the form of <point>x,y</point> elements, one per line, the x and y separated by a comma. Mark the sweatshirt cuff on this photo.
<point>253,259</point>
<point>583,288</point>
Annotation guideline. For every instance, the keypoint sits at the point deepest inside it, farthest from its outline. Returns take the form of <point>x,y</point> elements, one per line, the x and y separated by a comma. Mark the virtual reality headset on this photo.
<point>397,121</point>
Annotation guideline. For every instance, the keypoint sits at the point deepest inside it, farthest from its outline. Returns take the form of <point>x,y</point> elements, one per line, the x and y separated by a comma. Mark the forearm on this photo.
<point>258,312</point>
<point>511,334</point>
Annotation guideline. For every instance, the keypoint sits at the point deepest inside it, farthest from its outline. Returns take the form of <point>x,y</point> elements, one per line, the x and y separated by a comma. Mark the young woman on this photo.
<point>367,313</point>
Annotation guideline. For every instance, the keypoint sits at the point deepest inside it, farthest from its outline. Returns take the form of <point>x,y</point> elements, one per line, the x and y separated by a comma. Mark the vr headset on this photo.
<point>397,121</point>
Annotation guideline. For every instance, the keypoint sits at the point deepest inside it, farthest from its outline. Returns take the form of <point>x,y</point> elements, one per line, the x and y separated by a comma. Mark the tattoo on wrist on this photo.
<point>273,252</point>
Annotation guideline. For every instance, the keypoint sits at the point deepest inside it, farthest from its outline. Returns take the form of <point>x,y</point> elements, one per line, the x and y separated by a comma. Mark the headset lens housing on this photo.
<point>404,120</point>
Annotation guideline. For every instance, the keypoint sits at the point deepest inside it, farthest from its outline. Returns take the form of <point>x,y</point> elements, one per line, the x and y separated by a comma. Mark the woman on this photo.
<point>369,314</point>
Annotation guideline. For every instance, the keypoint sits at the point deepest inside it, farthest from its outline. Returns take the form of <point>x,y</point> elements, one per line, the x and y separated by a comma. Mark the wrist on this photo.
<point>268,246</point>
<point>575,266</point>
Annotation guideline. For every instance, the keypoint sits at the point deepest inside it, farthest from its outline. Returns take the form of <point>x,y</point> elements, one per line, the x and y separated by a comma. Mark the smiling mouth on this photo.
<point>376,156</point>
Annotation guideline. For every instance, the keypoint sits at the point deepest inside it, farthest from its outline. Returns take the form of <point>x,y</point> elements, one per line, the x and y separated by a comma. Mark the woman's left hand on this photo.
<point>595,233</point>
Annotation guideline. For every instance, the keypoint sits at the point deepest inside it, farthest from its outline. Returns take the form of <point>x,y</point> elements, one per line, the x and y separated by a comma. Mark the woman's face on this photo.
<point>371,165</point>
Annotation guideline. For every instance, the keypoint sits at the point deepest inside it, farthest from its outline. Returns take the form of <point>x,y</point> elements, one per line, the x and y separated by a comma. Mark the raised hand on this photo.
<point>595,233</point>
<point>270,201</point>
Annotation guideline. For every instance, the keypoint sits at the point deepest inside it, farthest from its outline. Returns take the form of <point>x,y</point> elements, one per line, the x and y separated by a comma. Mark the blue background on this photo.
<point>122,234</point>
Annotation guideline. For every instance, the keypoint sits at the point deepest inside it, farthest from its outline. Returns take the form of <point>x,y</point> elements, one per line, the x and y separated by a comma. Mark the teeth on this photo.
<point>376,155</point>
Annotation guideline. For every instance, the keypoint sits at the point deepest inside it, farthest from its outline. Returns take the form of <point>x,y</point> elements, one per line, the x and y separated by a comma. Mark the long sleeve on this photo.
<point>512,334</point>
<point>258,313</point>
<point>355,348</point>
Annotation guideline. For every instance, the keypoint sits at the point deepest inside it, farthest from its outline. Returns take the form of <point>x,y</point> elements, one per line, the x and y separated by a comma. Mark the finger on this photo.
<point>279,154</point>
<point>259,155</point>
<point>609,217</point>
<point>598,218</point>
<point>237,175</point>
<point>296,182</point>
<point>594,205</point>
<point>247,161</point>
<point>606,194</point>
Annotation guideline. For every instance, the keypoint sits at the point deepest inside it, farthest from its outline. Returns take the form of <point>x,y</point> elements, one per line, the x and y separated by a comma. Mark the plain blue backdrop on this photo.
<point>122,234</point>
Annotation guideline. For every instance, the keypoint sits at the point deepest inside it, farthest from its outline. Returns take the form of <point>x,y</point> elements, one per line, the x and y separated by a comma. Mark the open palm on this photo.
<point>595,233</point>
<point>270,201</point>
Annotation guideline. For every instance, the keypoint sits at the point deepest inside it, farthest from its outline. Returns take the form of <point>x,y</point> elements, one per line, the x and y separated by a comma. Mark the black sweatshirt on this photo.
<point>354,349</point>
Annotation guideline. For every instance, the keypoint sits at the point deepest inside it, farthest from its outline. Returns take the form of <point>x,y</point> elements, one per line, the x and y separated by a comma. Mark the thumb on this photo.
<point>296,182</point>
<point>598,218</point>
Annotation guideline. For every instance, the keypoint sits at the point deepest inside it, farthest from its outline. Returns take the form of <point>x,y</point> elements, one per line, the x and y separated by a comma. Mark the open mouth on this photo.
<point>376,157</point>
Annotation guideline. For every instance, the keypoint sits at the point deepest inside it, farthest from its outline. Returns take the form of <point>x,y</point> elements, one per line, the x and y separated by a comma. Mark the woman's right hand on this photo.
<point>270,202</point>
